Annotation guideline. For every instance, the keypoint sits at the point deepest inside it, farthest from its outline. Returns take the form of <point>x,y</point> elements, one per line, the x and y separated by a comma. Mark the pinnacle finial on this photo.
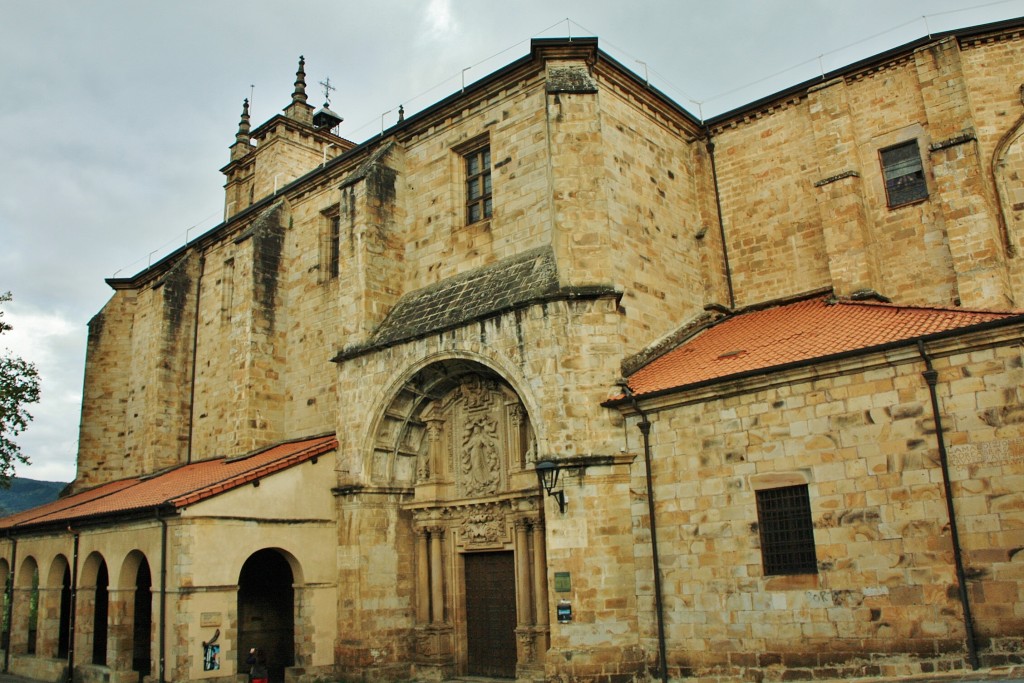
<point>300,82</point>
<point>243,125</point>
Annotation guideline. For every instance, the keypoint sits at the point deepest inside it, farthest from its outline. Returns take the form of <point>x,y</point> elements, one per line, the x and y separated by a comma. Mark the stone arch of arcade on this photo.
<point>93,609</point>
<point>270,595</point>
<point>25,607</point>
<point>133,604</point>
<point>54,634</point>
<point>459,435</point>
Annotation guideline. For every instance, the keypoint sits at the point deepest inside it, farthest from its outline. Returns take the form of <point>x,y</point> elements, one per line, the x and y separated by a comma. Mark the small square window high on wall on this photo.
<point>478,185</point>
<point>904,174</point>
<point>786,530</point>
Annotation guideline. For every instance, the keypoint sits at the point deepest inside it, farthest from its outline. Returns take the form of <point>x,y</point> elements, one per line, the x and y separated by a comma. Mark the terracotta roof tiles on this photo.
<point>175,488</point>
<point>815,328</point>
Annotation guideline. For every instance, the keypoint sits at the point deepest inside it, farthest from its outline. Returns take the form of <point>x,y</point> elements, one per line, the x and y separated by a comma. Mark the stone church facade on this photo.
<point>775,359</point>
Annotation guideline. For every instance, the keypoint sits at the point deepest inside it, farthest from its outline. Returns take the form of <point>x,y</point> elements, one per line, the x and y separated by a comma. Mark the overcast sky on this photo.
<point>115,116</point>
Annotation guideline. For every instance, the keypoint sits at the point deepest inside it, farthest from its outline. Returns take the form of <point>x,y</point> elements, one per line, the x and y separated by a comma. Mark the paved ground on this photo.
<point>1013,674</point>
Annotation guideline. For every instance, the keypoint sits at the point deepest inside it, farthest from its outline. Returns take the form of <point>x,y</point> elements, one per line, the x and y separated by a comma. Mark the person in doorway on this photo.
<point>257,665</point>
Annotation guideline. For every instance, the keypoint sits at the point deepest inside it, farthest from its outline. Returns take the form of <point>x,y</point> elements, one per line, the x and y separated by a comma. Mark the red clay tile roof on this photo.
<point>765,339</point>
<point>176,488</point>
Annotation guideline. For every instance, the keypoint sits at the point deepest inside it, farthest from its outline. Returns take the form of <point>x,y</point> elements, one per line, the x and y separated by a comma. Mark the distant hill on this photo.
<point>27,493</point>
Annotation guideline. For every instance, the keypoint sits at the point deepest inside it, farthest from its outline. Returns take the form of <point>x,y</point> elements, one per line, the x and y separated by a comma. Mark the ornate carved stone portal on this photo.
<point>461,438</point>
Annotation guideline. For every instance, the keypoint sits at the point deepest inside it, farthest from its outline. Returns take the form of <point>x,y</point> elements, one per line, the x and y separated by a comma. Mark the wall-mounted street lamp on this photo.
<point>547,474</point>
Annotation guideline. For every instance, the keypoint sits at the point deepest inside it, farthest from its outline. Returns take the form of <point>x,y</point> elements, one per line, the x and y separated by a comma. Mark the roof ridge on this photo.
<point>258,471</point>
<point>931,307</point>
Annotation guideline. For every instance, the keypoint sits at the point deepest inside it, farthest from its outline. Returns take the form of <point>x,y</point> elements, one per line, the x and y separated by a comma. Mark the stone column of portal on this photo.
<point>540,575</point>
<point>422,577</point>
<point>436,583</point>
<point>522,573</point>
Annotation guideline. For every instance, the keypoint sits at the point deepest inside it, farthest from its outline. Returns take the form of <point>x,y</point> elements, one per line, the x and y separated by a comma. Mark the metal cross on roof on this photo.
<point>327,90</point>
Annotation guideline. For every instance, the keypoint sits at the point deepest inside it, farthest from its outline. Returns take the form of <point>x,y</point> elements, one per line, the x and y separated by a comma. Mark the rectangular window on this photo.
<point>227,292</point>
<point>330,243</point>
<point>786,529</point>
<point>478,185</point>
<point>904,174</point>
<point>333,245</point>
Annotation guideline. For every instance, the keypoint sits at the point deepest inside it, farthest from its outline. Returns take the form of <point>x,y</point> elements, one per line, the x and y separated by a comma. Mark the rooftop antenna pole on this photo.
<point>821,67</point>
<point>926,29</point>
<point>568,28</point>
<point>252,88</point>
<point>382,121</point>
<point>464,77</point>
<point>647,80</point>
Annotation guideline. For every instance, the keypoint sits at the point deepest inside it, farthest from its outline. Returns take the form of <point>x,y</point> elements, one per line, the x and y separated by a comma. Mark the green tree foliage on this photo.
<point>19,387</point>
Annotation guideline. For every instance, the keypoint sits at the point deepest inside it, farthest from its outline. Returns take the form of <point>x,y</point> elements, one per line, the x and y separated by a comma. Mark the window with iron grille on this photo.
<point>787,532</point>
<point>478,185</point>
<point>904,174</point>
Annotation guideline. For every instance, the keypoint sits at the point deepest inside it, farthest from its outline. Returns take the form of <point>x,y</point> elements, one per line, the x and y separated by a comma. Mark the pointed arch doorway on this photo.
<point>459,435</point>
<point>266,611</point>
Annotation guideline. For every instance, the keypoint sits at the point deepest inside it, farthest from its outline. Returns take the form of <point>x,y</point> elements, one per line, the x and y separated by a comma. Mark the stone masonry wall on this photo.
<point>823,148</point>
<point>766,166</point>
<point>105,392</point>
<point>993,79</point>
<point>562,392</point>
<point>863,438</point>
<point>646,168</point>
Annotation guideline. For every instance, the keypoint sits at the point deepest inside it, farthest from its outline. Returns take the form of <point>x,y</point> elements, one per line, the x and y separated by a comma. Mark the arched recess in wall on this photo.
<point>136,581</point>
<point>94,597</point>
<point>462,409</point>
<point>266,609</point>
<point>58,620</point>
<point>27,603</point>
<point>457,432</point>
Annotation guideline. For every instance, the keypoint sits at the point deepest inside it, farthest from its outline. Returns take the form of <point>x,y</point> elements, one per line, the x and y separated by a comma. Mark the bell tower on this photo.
<point>286,147</point>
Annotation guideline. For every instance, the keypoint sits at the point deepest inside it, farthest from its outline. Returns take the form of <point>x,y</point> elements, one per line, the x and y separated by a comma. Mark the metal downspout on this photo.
<point>163,594</point>
<point>659,607</point>
<point>931,376</point>
<point>74,607</point>
<point>10,605</point>
<point>195,355</point>
<point>721,222</point>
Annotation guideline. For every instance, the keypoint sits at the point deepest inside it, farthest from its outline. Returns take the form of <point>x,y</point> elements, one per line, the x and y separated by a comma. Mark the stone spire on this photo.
<point>299,110</point>
<point>242,146</point>
<point>243,125</point>
<point>300,82</point>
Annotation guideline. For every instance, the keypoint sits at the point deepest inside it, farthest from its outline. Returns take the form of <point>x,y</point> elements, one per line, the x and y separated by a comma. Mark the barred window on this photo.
<point>904,174</point>
<point>786,529</point>
<point>478,185</point>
